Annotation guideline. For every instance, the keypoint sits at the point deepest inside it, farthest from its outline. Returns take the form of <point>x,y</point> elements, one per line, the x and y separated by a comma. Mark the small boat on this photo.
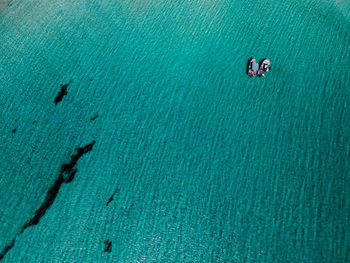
<point>253,67</point>
<point>265,66</point>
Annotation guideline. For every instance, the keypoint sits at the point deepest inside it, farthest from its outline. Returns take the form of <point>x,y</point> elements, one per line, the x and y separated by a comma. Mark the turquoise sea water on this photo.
<point>208,164</point>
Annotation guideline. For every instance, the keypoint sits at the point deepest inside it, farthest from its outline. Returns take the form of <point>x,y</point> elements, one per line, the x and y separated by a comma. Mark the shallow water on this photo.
<point>208,164</point>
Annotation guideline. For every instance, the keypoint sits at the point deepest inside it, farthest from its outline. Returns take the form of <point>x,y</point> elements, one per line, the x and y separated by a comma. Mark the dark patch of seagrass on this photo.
<point>108,246</point>
<point>66,175</point>
<point>112,196</point>
<point>94,118</point>
<point>62,92</point>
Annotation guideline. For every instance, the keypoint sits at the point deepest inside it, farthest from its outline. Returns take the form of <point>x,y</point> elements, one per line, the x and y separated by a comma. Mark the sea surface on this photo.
<point>193,161</point>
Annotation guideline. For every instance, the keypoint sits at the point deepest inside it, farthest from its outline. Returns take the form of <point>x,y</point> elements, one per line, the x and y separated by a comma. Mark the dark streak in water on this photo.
<point>7,248</point>
<point>108,246</point>
<point>62,92</point>
<point>14,130</point>
<point>71,176</point>
<point>50,197</point>
<point>130,207</point>
<point>66,175</point>
<point>112,196</point>
<point>94,118</point>
<point>66,170</point>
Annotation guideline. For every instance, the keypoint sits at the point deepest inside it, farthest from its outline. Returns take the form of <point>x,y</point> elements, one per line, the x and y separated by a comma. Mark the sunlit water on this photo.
<point>209,165</point>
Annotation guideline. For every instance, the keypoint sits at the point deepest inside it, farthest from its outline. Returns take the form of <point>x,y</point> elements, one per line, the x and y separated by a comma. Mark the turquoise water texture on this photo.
<point>207,164</point>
